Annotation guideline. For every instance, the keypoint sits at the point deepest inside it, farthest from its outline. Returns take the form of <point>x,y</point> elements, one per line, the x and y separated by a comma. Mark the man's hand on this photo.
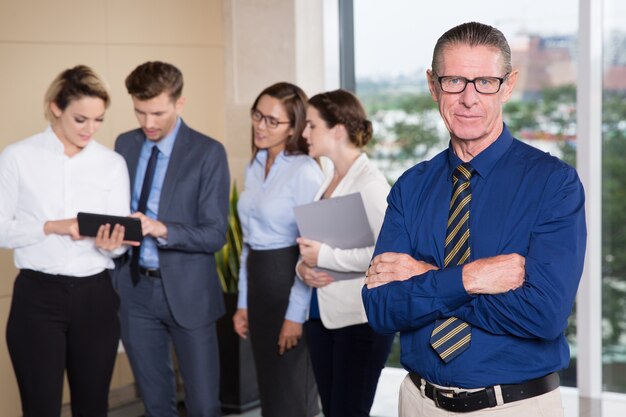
<point>392,266</point>
<point>312,278</point>
<point>309,250</point>
<point>494,275</point>
<point>151,227</point>
<point>240,322</point>
<point>290,334</point>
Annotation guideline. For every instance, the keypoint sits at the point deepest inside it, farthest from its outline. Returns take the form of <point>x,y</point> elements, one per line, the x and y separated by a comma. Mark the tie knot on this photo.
<point>155,150</point>
<point>464,172</point>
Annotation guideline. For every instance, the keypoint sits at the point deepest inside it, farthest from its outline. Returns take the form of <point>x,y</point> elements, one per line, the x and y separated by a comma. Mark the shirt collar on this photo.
<point>484,162</point>
<point>357,164</point>
<point>166,144</point>
<point>53,143</point>
<point>261,157</point>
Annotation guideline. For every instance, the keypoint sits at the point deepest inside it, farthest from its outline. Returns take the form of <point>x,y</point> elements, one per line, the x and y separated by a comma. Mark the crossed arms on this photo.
<point>528,292</point>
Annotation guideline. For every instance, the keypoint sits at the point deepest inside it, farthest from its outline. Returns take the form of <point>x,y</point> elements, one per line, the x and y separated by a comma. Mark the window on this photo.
<point>614,198</point>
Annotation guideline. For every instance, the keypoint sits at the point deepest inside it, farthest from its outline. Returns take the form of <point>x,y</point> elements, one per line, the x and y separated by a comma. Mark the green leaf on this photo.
<point>227,259</point>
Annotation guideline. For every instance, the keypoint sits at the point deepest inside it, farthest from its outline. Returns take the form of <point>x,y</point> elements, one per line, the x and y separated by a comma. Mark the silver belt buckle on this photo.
<point>436,391</point>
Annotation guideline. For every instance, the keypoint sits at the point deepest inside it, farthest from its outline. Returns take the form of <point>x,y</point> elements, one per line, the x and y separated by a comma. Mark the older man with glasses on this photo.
<point>481,251</point>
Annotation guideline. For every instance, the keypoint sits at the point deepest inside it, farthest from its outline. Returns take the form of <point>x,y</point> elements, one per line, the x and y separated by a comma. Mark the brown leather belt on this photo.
<point>466,401</point>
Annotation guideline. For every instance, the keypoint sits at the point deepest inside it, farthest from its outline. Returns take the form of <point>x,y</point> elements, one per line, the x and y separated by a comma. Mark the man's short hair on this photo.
<point>152,78</point>
<point>472,34</point>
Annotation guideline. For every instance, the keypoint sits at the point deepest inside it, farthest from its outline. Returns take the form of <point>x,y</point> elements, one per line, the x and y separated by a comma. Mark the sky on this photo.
<point>397,36</point>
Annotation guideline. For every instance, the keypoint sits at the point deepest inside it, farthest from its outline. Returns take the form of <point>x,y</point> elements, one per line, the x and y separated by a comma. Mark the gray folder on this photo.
<point>340,222</point>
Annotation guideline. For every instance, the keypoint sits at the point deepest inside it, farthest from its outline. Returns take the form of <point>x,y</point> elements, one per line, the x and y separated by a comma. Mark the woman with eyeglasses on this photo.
<point>273,303</point>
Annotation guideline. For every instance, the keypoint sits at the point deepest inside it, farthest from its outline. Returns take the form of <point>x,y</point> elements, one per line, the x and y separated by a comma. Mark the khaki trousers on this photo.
<point>415,404</point>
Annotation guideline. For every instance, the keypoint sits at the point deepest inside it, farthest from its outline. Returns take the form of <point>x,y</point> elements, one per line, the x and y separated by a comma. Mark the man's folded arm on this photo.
<point>541,306</point>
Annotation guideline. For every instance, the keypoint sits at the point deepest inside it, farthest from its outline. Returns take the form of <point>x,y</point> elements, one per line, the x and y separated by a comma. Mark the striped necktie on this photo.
<point>451,336</point>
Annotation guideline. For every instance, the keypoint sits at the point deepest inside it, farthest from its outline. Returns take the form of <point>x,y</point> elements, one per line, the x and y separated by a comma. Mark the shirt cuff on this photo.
<point>296,313</point>
<point>242,298</point>
<point>450,287</point>
<point>325,256</point>
<point>298,273</point>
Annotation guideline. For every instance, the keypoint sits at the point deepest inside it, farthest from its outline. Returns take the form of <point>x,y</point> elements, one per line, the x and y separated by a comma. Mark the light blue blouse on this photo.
<point>267,219</point>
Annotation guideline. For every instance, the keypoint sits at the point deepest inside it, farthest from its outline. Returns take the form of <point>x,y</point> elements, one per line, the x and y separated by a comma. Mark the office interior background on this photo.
<point>570,101</point>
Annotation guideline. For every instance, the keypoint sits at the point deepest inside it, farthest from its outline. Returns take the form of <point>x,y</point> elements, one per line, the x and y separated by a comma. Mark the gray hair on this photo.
<point>473,34</point>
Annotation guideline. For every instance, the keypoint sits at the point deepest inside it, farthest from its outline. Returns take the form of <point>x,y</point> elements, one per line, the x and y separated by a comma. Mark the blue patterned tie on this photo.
<point>451,336</point>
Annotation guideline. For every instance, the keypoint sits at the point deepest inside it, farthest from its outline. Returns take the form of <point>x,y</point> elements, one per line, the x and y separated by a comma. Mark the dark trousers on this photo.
<point>60,323</point>
<point>286,382</point>
<point>347,363</point>
<point>149,331</point>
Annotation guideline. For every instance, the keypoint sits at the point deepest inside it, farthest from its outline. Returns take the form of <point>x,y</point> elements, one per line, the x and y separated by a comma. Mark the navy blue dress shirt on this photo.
<point>524,201</point>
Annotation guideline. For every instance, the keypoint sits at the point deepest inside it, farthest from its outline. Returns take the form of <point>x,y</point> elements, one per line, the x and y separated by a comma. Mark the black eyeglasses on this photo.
<point>270,122</point>
<point>484,85</point>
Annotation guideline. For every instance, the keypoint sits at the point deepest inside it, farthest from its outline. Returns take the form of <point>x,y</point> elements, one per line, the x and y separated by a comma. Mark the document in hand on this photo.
<point>340,222</point>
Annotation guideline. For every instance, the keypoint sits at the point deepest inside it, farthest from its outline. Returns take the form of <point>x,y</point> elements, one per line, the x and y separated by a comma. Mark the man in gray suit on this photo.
<point>169,289</point>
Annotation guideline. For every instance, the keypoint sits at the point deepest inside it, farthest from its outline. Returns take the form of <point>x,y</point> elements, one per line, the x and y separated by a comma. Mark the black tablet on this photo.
<point>89,223</point>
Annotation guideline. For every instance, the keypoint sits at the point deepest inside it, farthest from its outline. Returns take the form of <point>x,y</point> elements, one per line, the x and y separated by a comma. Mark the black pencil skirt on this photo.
<point>286,383</point>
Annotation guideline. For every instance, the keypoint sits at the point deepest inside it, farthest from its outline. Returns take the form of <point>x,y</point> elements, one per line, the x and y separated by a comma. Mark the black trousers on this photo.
<point>60,323</point>
<point>347,363</point>
<point>286,382</point>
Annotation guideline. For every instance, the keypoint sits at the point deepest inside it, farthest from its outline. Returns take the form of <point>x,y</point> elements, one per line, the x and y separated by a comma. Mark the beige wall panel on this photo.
<point>237,167</point>
<point>238,137</point>
<point>73,21</point>
<point>27,78</point>
<point>166,22</point>
<point>204,85</point>
<point>7,273</point>
<point>309,46</point>
<point>122,374</point>
<point>10,405</point>
<point>262,53</point>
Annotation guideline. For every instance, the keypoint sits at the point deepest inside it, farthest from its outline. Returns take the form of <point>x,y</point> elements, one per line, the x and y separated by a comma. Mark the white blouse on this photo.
<point>38,182</point>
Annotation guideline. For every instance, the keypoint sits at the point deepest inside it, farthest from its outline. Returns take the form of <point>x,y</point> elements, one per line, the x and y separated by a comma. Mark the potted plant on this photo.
<point>238,384</point>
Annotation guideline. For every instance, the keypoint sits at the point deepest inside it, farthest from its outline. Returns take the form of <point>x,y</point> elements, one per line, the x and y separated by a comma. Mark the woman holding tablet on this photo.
<point>64,310</point>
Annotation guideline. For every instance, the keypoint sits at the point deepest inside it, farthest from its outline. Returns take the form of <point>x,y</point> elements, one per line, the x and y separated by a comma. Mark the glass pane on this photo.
<point>614,198</point>
<point>393,45</point>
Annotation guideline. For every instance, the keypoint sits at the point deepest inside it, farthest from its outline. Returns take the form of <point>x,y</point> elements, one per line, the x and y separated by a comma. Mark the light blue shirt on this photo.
<point>267,219</point>
<point>149,254</point>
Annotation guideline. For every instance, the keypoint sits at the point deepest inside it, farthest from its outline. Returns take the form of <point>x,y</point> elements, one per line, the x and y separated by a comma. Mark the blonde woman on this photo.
<point>63,314</point>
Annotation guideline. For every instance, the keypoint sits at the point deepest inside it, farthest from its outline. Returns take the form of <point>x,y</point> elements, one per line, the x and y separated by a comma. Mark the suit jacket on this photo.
<point>340,302</point>
<point>194,207</point>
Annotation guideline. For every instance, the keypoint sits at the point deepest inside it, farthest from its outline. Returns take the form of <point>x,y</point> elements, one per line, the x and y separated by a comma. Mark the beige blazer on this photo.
<point>340,302</point>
